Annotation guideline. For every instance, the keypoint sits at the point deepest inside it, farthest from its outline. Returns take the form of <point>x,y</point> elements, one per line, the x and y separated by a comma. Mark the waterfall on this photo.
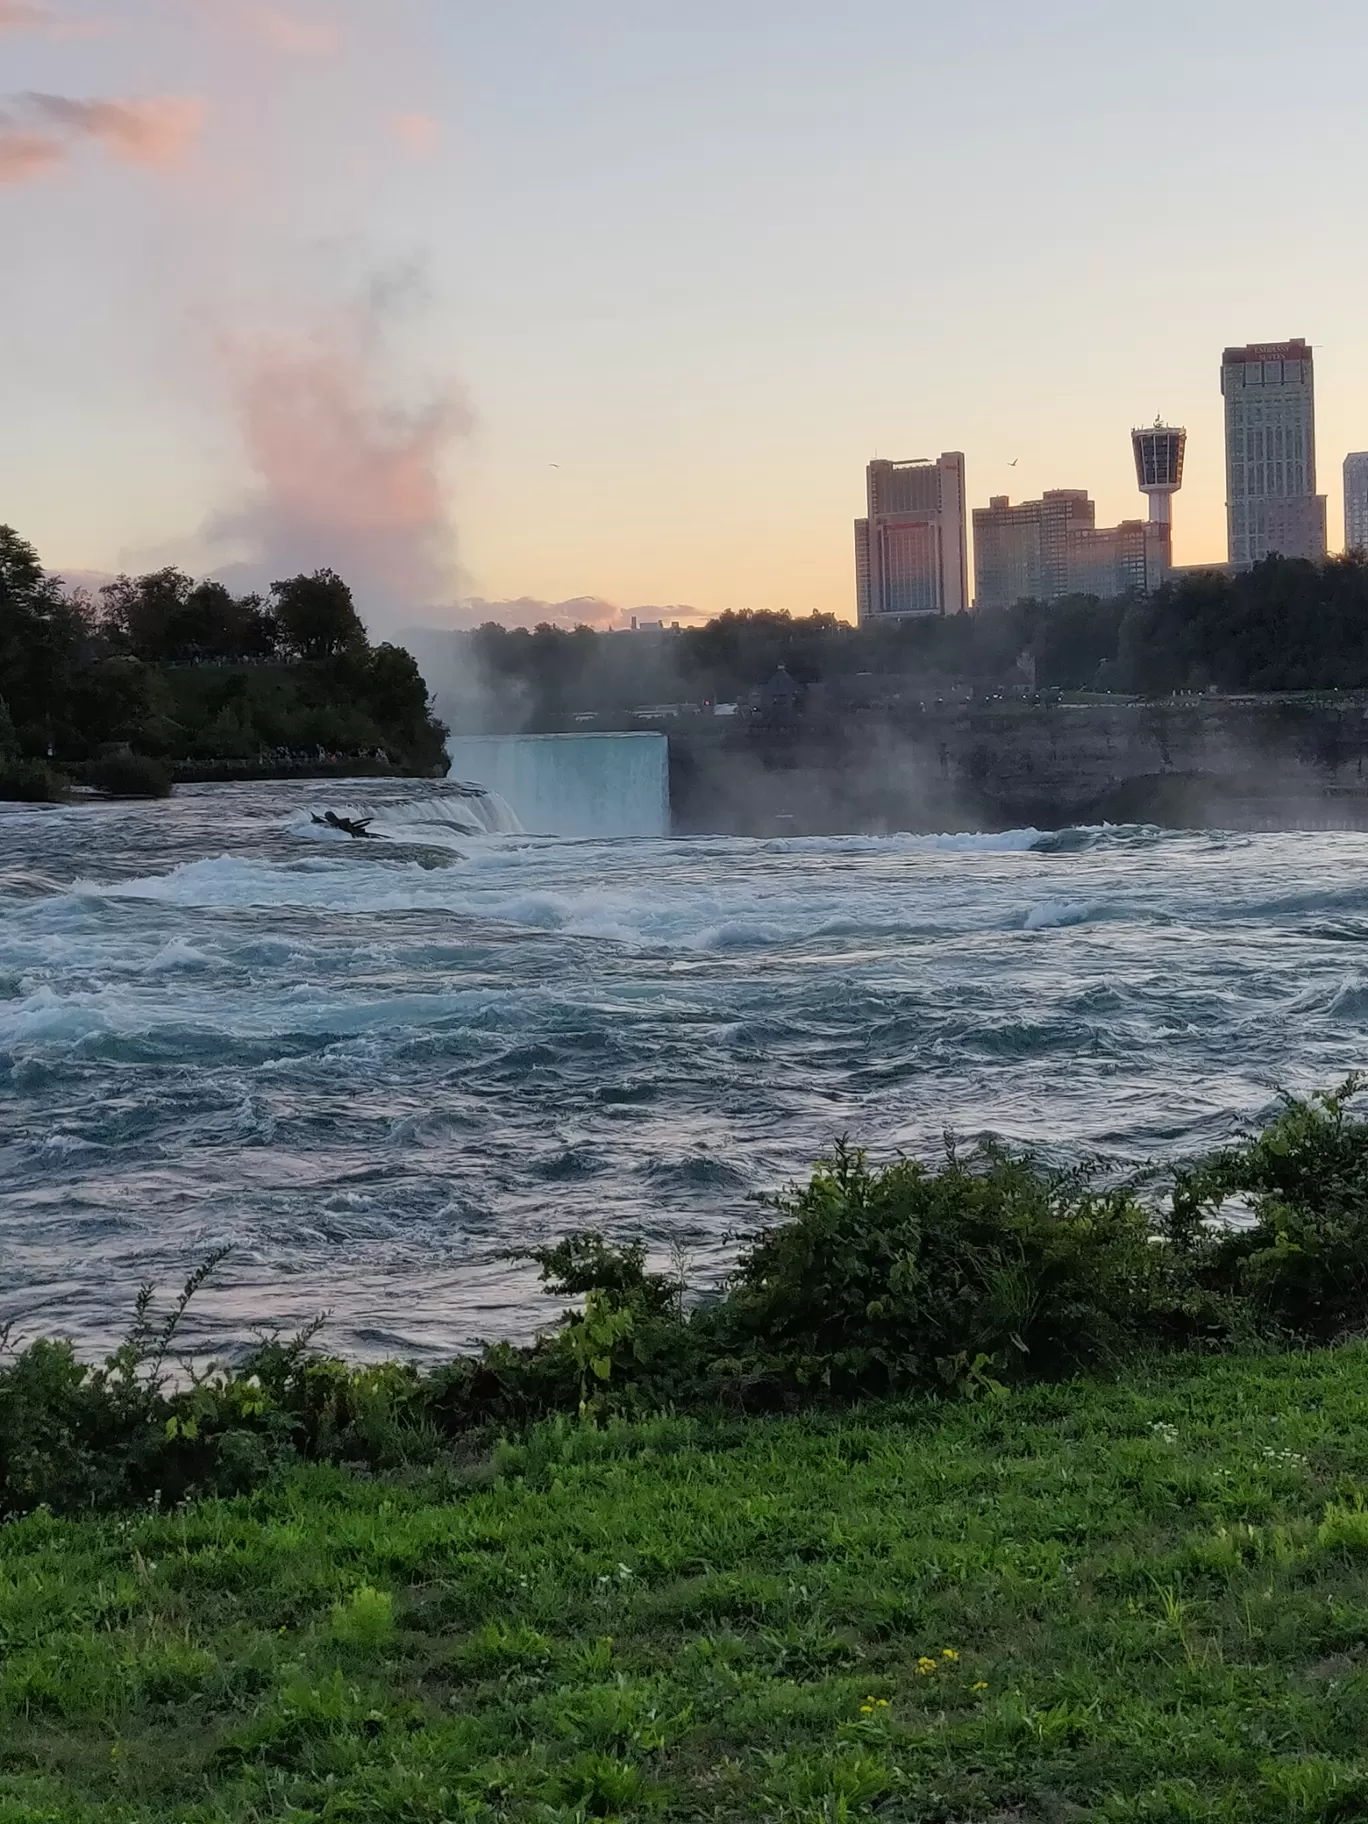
<point>573,785</point>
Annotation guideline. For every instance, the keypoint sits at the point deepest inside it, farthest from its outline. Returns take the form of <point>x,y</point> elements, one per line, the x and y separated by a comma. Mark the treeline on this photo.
<point>1285,625</point>
<point>185,674</point>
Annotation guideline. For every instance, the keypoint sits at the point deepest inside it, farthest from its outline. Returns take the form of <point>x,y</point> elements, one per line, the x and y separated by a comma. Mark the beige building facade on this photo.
<point>912,548</point>
<point>1042,550</point>
<point>1272,505</point>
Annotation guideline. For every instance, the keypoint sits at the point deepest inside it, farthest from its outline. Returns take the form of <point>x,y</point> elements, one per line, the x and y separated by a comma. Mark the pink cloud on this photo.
<point>24,156</point>
<point>26,16</point>
<point>291,33</point>
<point>154,134</point>
<point>417,133</point>
<point>346,475</point>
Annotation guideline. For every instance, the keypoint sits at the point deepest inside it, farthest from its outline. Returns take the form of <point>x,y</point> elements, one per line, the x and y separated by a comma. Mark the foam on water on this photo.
<point>372,1075</point>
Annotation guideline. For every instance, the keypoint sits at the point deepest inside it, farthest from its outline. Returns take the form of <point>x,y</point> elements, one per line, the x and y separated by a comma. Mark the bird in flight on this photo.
<point>1015,460</point>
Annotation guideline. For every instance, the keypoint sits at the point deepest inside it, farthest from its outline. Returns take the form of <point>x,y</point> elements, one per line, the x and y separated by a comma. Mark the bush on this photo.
<point>1301,1265</point>
<point>31,782</point>
<point>911,1279</point>
<point>883,1281</point>
<point>129,776</point>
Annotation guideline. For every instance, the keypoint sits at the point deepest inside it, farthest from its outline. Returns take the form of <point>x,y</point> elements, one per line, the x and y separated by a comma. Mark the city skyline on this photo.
<point>568,307</point>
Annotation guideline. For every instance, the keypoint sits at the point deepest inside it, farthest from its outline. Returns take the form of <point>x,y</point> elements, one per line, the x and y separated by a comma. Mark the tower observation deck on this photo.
<point>1159,453</point>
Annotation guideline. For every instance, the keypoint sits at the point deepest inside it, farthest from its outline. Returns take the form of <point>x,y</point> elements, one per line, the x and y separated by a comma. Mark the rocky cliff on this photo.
<point>1241,763</point>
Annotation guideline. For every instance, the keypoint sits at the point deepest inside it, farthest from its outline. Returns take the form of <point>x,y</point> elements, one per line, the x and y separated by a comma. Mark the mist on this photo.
<point>349,464</point>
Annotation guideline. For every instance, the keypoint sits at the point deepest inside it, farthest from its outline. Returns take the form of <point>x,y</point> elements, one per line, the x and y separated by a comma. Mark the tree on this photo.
<point>148,614</point>
<point>40,638</point>
<point>317,615</point>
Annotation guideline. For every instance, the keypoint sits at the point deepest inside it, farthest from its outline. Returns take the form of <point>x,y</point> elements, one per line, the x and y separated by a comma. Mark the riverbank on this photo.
<point>1136,1600</point>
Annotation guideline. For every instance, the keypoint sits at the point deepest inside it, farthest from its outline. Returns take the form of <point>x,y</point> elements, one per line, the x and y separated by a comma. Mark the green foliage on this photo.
<point>365,1619</point>
<point>317,616</point>
<point>199,678</point>
<point>1284,625</point>
<point>880,1281</point>
<point>1126,1600</point>
<point>951,1282</point>
<point>31,782</point>
<point>1301,1263</point>
<point>129,776</point>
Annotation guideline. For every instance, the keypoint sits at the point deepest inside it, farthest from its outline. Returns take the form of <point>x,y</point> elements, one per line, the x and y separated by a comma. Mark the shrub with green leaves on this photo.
<point>1301,1264</point>
<point>986,1266</point>
<point>951,1279</point>
<point>31,782</point>
<point>129,776</point>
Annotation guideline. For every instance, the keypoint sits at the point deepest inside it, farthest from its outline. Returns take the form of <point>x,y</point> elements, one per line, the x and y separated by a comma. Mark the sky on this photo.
<point>607,303</point>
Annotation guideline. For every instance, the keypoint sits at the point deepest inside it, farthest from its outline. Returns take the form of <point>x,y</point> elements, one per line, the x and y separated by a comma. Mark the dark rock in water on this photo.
<point>358,827</point>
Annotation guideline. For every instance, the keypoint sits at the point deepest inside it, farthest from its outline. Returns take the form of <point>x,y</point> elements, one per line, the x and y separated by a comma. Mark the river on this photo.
<point>373,1068</point>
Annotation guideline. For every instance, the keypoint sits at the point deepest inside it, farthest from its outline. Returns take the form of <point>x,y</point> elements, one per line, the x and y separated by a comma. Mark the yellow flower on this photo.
<point>982,1685</point>
<point>925,1667</point>
<point>949,1653</point>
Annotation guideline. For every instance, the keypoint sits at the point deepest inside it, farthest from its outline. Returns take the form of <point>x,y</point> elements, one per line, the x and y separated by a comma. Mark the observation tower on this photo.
<point>1159,455</point>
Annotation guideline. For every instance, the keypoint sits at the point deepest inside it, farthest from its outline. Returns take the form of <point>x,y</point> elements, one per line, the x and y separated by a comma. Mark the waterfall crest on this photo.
<point>592,785</point>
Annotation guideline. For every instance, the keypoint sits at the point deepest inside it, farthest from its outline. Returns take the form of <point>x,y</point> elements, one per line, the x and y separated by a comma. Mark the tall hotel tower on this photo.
<point>1356,502</point>
<point>1270,421</point>
<point>912,552</point>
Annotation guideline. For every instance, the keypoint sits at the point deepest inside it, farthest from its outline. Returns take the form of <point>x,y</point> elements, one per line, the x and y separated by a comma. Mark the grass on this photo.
<point>1140,1600</point>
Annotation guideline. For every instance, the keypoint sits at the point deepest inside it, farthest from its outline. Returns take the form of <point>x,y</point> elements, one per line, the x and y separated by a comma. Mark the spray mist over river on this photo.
<point>374,1067</point>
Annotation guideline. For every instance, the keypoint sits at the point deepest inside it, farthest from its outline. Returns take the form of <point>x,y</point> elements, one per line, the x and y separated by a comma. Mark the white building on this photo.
<point>1356,502</point>
<point>1270,423</point>
<point>912,552</point>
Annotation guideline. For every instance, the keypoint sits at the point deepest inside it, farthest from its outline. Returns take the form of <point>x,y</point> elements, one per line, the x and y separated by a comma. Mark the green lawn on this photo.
<point>1140,1601</point>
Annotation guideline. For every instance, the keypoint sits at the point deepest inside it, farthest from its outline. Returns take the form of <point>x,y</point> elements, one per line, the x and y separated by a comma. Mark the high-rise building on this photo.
<point>1042,550</point>
<point>912,552</point>
<point>1132,558</point>
<point>1270,423</point>
<point>1356,502</point>
<point>1021,552</point>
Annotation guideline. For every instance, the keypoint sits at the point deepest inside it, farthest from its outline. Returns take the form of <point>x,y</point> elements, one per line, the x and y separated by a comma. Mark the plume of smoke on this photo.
<point>153,134</point>
<point>348,474</point>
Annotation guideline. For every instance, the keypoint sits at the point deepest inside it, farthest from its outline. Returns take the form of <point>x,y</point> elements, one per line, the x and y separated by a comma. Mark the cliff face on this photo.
<point>1257,763</point>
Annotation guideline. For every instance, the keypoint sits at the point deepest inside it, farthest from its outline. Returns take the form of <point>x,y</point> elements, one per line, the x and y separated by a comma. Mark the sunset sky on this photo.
<point>615,298</point>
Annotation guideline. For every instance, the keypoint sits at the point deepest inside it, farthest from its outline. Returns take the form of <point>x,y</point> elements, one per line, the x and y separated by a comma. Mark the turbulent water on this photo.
<point>372,1068</point>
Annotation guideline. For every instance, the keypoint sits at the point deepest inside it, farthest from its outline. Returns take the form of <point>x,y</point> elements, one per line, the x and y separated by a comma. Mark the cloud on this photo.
<point>27,16</point>
<point>417,133</point>
<point>348,476</point>
<point>24,156</point>
<point>20,16</point>
<point>154,134</point>
<point>289,32</point>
